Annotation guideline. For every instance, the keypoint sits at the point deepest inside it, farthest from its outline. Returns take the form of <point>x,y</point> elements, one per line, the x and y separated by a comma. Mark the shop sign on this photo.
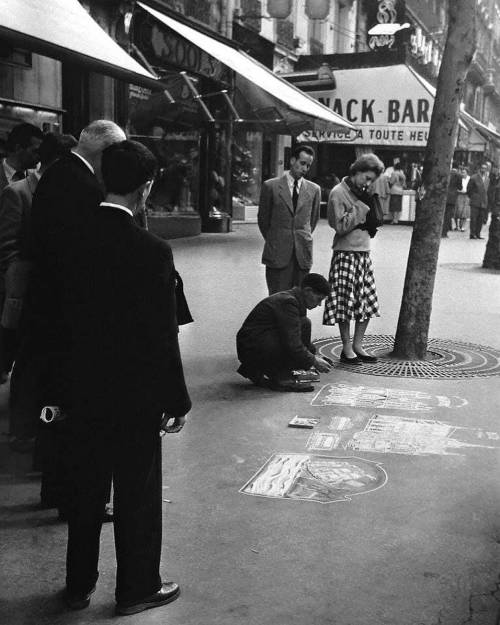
<point>388,106</point>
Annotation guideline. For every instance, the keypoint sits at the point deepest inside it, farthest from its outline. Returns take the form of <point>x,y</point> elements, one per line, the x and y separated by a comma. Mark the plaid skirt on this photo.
<point>353,294</point>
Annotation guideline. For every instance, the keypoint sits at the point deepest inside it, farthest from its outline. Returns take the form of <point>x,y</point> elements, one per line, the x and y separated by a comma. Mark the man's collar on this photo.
<point>297,291</point>
<point>84,160</point>
<point>119,206</point>
<point>9,170</point>
<point>291,179</point>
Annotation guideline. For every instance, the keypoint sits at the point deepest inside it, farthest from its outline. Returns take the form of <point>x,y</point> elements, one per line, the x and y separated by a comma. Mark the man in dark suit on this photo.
<point>275,338</point>
<point>288,213</point>
<point>477,191</point>
<point>126,372</point>
<point>22,146</point>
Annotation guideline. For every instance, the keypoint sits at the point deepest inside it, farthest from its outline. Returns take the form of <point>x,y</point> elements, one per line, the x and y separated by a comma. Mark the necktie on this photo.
<point>295,194</point>
<point>19,175</point>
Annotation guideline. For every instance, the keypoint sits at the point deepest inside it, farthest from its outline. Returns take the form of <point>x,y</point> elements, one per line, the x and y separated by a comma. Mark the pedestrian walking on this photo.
<point>288,213</point>
<point>454,185</point>
<point>478,198</point>
<point>462,208</point>
<point>397,182</point>
<point>275,338</point>
<point>126,381</point>
<point>354,215</point>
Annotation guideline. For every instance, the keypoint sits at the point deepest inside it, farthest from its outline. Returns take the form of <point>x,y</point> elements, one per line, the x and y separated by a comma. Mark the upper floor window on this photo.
<point>14,56</point>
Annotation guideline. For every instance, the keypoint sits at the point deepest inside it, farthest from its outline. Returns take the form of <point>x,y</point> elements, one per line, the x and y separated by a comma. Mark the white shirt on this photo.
<point>123,208</point>
<point>291,181</point>
<point>84,160</point>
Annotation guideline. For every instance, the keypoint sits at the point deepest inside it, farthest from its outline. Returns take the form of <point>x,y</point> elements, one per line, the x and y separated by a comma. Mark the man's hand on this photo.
<point>171,425</point>
<point>322,365</point>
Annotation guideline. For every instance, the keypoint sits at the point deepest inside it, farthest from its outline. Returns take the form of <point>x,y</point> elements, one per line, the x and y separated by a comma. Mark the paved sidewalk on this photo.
<point>421,549</point>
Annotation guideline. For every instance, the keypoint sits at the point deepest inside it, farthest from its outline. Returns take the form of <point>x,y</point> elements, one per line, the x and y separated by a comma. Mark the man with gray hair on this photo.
<point>62,218</point>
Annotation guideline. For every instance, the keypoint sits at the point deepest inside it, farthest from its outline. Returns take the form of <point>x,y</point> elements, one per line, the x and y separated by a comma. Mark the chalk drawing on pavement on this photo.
<point>386,398</point>
<point>321,479</point>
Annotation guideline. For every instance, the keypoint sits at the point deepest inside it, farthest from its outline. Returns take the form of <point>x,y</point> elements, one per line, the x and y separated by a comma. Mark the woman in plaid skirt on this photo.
<point>354,214</point>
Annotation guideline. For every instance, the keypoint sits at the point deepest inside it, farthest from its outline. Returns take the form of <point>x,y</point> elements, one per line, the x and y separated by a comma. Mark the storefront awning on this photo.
<point>390,105</point>
<point>62,29</point>
<point>271,99</point>
<point>482,129</point>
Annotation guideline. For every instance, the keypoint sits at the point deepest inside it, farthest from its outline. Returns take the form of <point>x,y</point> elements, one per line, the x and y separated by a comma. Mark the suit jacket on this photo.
<point>284,231</point>
<point>279,315</point>
<point>476,190</point>
<point>124,347</point>
<point>15,210</point>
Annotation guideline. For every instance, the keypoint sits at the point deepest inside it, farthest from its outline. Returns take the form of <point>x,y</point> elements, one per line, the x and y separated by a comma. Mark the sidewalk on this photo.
<point>421,549</point>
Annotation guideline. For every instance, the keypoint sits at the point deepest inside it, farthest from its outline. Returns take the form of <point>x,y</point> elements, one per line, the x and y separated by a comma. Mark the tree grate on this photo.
<point>445,359</point>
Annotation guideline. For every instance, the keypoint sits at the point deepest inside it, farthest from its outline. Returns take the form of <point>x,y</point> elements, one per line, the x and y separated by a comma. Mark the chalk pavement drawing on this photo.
<point>404,435</point>
<point>321,479</point>
<point>386,398</point>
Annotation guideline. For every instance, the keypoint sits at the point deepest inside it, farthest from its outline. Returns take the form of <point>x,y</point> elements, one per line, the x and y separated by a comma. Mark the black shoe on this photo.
<point>366,358</point>
<point>168,592</point>
<point>472,237</point>
<point>78,601</point>
<point>479,237</point>
<point>350,361</point>
<point>251,374</point>
<point>290,385</point>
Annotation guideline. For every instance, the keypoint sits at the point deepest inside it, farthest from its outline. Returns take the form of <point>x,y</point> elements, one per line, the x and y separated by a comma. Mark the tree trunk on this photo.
<point>416,305</point>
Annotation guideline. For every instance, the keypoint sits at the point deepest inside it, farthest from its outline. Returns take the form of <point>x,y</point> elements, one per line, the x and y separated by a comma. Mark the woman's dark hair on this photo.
<point>126,166</point>
<point>367,162</point>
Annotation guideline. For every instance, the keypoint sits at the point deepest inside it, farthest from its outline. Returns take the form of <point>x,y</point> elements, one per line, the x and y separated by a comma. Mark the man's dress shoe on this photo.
<point>168,592</point>
<point>78,601</point>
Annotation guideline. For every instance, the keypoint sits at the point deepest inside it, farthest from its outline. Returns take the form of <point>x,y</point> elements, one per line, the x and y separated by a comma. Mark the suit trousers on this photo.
<point>270,356</point>
<point>285,278</point>
<point>130,452</point>
<point>477,219</point>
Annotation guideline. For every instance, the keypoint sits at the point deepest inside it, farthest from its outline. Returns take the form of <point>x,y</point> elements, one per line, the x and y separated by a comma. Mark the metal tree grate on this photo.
<point>445,359</point>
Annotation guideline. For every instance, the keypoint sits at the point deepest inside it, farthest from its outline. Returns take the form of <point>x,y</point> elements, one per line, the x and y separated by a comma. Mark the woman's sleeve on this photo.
<point>344,216</point>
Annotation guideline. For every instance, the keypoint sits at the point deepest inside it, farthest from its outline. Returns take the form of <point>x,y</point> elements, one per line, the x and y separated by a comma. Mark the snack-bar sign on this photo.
<point>388,106</point>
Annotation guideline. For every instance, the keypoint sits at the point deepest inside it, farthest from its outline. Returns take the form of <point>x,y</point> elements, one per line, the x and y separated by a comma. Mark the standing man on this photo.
<point>477,189</point>
<point>22,153</point>
<point>454,185</point>
<point>126,336</point>
<point>288,214</point>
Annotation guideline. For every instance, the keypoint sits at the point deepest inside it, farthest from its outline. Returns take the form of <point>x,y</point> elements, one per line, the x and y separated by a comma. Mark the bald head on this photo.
<point>95,138</point>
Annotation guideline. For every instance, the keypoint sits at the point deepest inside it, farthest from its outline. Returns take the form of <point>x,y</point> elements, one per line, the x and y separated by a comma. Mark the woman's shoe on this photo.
<point>350,361</point>
<point>366,357</point>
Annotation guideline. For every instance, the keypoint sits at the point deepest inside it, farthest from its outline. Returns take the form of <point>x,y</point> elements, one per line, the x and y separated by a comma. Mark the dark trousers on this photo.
<point>130,452</point>
<point>270,356</point>
<point>285,278</point>
<point>448,214</point>
<point>478,217</point>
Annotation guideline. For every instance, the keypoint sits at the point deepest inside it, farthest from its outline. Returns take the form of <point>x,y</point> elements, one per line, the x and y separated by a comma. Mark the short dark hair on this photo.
<point>126,166</point>
<point>302,148</point>
<point>316,283</point>
<point>22,135</point>
<point>368,162</point>
<point>54,146</point>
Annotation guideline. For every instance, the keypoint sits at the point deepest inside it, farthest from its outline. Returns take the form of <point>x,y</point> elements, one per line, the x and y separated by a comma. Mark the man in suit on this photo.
<point>126,372</point>
<point>288,213</point>
<point>275,338</point>
<point>478,198</point>
<point>22,146</point>
<point>15,210</point>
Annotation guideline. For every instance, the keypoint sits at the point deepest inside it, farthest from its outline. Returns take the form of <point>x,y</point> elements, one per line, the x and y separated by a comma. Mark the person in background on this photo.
<point>288,213</point>
<point>462,209</point>
<point>15,208</point>
<point>125,333</point>
<point>382,189</point>
<point>22,146</point>
<point>353,214</point>
<point>397,182</point>
<point>275,338</point>
<point>477,191</point>
<point>454,185</point>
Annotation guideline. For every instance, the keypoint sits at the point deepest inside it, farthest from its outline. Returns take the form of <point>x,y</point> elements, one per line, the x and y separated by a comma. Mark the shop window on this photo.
<point>246,167</point>
<point>14,56</point>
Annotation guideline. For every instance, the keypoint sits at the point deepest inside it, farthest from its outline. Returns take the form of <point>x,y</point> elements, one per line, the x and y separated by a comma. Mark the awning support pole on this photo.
<point>197,96</point>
